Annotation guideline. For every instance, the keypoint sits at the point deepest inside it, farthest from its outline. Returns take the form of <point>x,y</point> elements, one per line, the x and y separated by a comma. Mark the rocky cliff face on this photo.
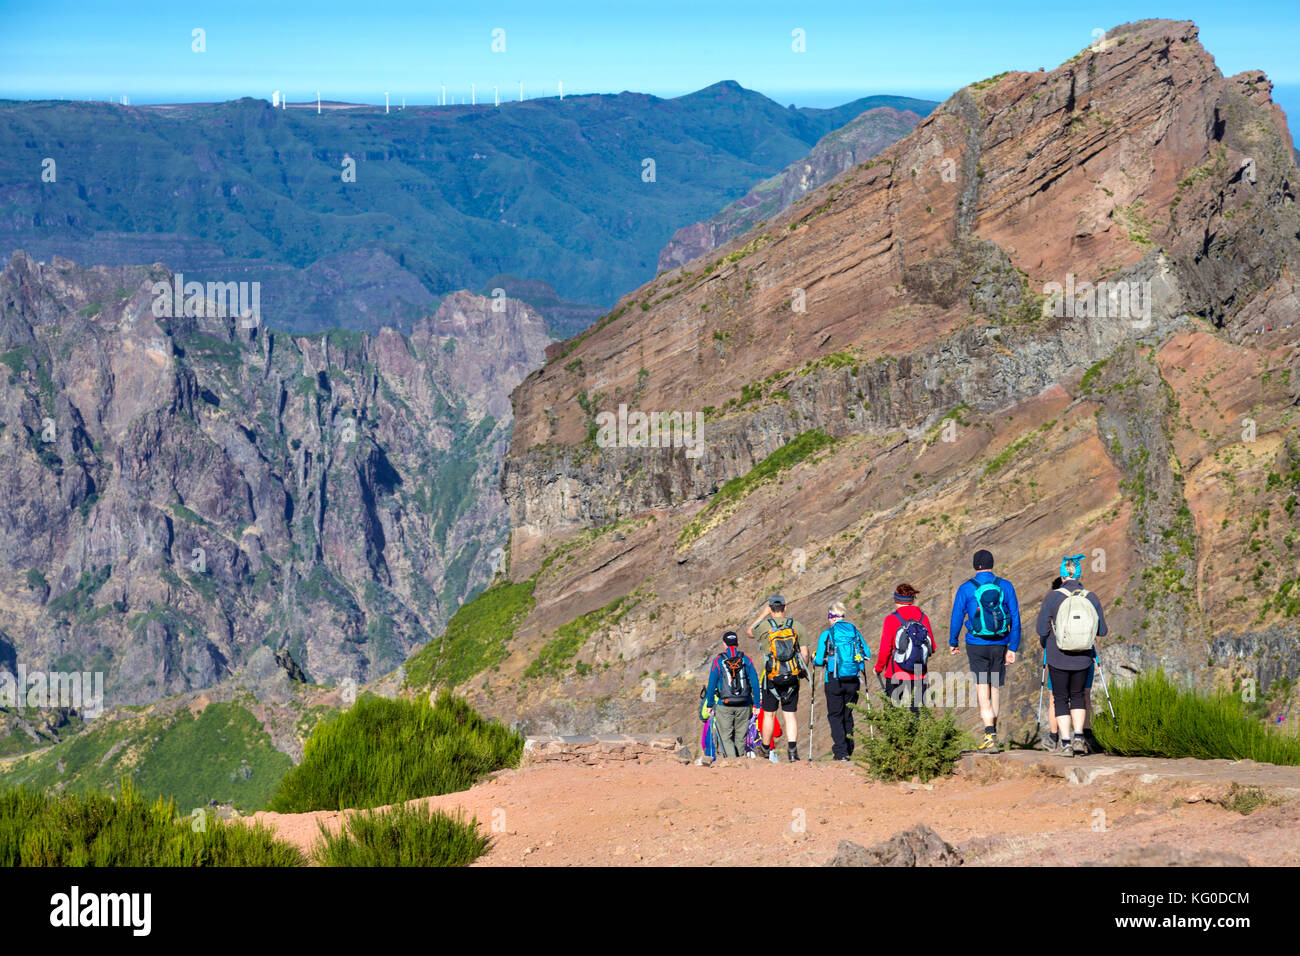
<point>914,362</point>
<point>184,490</point>
<point>836,152</point>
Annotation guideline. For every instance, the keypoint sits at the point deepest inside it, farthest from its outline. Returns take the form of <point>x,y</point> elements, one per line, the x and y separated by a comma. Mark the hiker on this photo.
<point>1053,740</point>
<point>906,643</point>
<point>784,641</point>
<point>733,690</point>
<point>1069,623</point>
<point>987,606</point>
<point>848,655</point>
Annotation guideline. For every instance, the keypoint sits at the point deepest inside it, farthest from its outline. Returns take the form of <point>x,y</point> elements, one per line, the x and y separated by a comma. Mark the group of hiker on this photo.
<point>747,710</point>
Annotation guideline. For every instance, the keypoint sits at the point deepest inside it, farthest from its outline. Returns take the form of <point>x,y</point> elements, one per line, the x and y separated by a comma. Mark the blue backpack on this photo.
<point>912,645</point>
<point>849,650</point>
<point>992,617</point>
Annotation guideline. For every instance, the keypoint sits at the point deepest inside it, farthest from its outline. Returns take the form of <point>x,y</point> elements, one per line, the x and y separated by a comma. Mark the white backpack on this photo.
<point>1076,623</point>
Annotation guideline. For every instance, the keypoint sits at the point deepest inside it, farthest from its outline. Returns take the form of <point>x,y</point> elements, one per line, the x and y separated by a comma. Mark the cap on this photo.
<point>983,560</point>
<point>776,600</point>
<point>730,639</point>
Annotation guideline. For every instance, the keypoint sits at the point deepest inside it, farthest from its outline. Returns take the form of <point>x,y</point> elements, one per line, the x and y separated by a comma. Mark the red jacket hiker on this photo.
<point>885,659</point>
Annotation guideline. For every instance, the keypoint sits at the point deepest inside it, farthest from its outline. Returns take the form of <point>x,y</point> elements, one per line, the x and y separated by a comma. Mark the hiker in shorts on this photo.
<point>986,605</point>
<point>783,641</point>
<point>843,652</point>
<point>906,643</point>
<point>1069,623</point>
<point>1053,740</point>
<point>733,689</point>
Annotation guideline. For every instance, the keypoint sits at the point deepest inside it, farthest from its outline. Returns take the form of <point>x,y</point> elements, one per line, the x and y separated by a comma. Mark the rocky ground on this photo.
<point>1019,808</point>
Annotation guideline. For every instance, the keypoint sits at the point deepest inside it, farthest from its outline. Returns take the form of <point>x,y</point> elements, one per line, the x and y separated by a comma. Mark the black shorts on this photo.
<point>988,662</point>
<point>787,695</point>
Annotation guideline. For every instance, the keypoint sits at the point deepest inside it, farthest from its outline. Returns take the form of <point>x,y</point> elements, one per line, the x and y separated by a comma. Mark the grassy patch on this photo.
<point>125,829</point>
<point>475,639</point>
<point>555,655</point>
<point>381,752</point>
<point>1157,718</point>
<point>784,458</point>
<point>403,836</point>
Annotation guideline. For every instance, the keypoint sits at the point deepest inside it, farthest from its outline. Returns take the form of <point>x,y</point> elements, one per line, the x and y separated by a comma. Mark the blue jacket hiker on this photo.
<point>986,606</point>
<point>843,652</point>
<point>733,696</point>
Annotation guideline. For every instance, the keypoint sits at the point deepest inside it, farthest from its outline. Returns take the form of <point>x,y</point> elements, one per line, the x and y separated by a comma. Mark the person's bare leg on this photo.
<point>982,691</point>
<point>766,726</point>
<point>994,694</point>
<point>1077,717</point>
<point>791,729</point>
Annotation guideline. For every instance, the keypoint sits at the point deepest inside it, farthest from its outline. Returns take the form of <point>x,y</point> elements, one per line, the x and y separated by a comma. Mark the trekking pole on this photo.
<point>1042,684</point>
<point>812,716</point>
<point>1101,672</point>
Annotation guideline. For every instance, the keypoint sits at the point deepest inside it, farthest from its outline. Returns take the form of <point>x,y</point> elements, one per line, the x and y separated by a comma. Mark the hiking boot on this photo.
<point>1052,742</point>
<point>792,750</point>
<point>989,745</point>
<point>1066,750</point>
<point>1080,746</point>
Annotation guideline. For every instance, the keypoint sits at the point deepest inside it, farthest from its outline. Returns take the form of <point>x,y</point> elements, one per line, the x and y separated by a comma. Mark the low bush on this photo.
<point>1154,717</point>
<point>125,829</point>
<point>895,744</point>
<point>406,835</point>
<point>381,752</point>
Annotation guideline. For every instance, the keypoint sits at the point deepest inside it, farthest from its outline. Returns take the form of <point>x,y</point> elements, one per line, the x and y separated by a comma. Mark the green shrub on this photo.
<point>381,752</point>
<point>125,829</point>
<point>406,835</point>
<point>1157,718</point>
<point>906,745</point>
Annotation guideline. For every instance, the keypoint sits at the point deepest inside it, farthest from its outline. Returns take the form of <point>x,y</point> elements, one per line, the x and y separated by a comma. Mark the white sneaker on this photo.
<point>771,755</point>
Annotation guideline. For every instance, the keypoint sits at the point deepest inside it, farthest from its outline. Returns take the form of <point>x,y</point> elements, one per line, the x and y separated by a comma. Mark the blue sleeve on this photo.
<point>710,693</point>
<point>958,617</point>
<point>1014,606</point>
<point>753,683</point>
<point>820,657</point>
<point>862,644</point>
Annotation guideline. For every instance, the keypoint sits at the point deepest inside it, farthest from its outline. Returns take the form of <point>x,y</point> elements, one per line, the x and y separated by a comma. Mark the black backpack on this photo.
<point>912,646</point>
<point>734,688</point>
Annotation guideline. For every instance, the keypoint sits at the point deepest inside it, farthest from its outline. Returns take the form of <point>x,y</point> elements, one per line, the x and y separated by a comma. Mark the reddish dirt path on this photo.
<point>994,812</point>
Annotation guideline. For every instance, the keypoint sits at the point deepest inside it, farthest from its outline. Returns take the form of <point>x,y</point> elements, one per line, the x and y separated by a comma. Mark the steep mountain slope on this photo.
<point>358,219</point>
<point>183,491</point>
<point>834,153</point>
<point>890,380</point>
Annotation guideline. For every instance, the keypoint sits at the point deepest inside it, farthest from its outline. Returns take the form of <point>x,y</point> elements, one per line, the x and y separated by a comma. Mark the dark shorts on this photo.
<point>787,696</point>
<point>988,662</point>
<point>1087,684</point>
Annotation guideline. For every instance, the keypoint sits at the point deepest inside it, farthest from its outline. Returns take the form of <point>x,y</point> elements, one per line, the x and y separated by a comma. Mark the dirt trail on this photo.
<point>1012,809</point>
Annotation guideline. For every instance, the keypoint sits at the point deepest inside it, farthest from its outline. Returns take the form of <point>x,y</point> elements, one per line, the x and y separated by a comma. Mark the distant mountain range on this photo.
<point>579,193</point>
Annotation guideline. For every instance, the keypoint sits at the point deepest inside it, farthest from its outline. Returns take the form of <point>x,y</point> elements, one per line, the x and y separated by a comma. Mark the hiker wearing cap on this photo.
<point>1053,741</point>
<point>844,654</point>
<point>986,605</point>
<point>784,643</point>
<point>733,689</point>
<point>1069,623</point>
<point>906,643</point>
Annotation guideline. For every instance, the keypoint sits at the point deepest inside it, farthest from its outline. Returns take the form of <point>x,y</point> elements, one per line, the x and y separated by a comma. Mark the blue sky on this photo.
<point>356,51</point>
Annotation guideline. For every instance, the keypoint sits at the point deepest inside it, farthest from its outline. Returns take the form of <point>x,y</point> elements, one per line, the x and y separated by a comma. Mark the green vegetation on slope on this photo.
<point>383,751</point>
<point>1157,718</point>
<point>125,829</point>
<point>475,639</point>
<point>223,755</point>
<point>407,835</point>
<point>787,456</point>
<point>555,655</point>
